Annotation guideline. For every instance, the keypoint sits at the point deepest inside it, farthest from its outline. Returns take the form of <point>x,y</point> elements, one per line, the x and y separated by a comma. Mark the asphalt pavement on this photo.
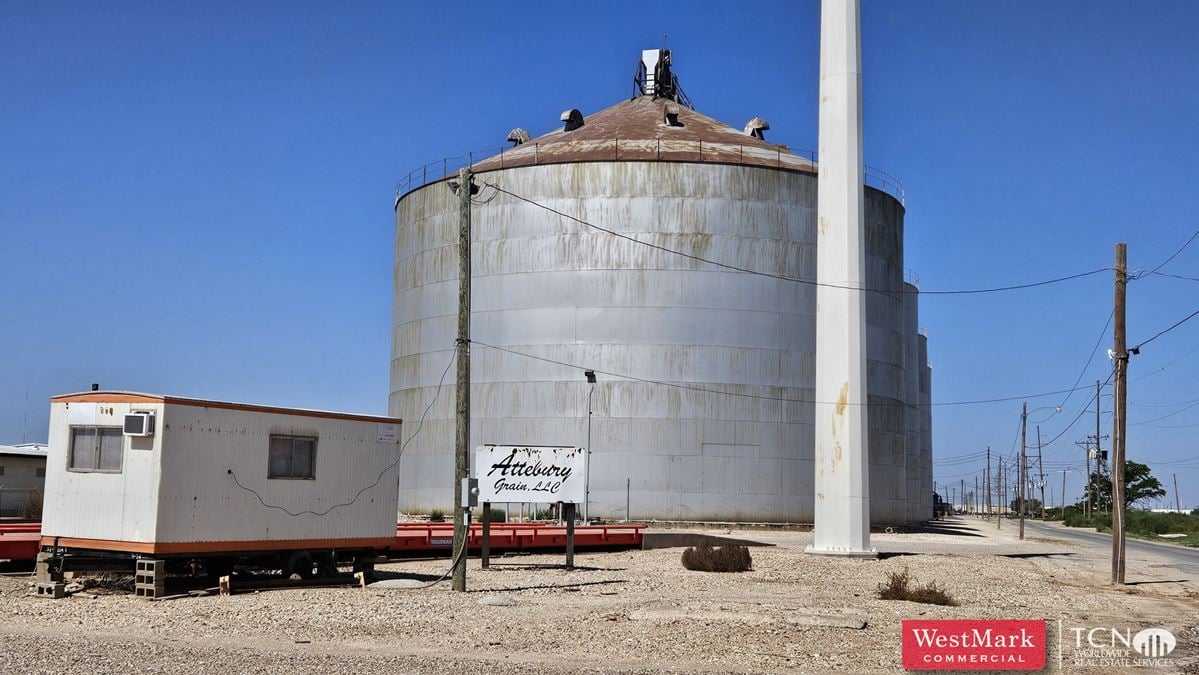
<point>1182,558</point>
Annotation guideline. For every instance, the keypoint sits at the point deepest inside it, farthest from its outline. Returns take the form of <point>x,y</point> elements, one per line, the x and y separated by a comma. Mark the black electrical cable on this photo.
<point>1172,426</point>
<point>1166,416</point>
<point>970,455</point>
<point>1162,405</point>
<point>758,396</point>
<point>1161,333</point>
<point>1079,416</point>
<point>1173,256</point>
<point>780,277</point>
<point>420,425</point>
<point>1090,358</point>
<point>1174,276</point>
<point>1151,373</point>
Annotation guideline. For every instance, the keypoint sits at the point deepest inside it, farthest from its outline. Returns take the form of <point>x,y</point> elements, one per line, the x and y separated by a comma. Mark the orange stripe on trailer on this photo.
<point>22,541</point>
<point>135,397</point>
<point>200,547</point>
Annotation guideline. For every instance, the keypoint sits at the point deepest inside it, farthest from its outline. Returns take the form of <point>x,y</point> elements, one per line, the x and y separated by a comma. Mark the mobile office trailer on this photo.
<point>150,476</point>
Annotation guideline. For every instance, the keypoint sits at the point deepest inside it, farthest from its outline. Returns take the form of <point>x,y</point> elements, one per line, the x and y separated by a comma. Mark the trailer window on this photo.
<point>292,457</point>
<point>96,449</point>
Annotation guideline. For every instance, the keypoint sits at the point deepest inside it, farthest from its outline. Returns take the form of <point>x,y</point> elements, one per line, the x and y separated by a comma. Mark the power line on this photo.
<point>1137,348</point>
<point>1170,426</point>
<point>706,390</point>
<point>959,462</point>
<point>1168,415</point>
<point>1015,440</point>
<point>1090,358</point>
<point>969,455</point>
<point>420,425</point>
<point>1173,256</point>
<point>1174,276</point>
<point>1163,405</point>
<point>780,277</point>
<point>1185,354</point>
<point>1079,415</point>
<point>1176,462</point>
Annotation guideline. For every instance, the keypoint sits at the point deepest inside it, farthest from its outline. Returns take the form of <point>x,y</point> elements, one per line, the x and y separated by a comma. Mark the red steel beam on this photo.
<point>21,541</point>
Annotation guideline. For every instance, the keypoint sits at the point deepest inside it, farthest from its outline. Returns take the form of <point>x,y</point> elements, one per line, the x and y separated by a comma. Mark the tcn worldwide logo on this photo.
<point>974,645</point>
<point>1118,648</point>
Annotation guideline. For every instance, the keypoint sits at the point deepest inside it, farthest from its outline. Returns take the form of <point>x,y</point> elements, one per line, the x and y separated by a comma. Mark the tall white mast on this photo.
<point>842,458</point>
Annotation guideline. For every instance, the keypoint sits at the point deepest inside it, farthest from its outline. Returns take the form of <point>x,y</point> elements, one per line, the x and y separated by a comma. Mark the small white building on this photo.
<point>22,478</point>
<point>165,476</point>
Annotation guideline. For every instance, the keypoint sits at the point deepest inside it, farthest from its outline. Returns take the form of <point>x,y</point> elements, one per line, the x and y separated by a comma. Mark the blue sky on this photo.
<point>197,199</point>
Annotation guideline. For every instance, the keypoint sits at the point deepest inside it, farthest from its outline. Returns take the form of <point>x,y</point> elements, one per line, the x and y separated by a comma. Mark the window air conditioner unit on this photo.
<point>139,424</point>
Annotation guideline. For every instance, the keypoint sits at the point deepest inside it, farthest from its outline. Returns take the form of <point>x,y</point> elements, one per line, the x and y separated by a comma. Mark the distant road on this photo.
<point>1183,558</point>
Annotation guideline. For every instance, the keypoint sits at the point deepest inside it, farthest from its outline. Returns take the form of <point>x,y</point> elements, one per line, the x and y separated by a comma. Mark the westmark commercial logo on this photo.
<point>974,645</point>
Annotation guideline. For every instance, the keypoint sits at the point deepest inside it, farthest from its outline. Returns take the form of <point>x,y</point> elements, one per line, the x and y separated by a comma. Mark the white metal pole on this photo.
<point>587,462</point>
<point>842,510</point>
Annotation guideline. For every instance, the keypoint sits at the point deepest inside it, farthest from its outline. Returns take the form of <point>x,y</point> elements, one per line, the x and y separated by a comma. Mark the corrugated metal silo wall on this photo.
<point>926,426</point>
<point>885,359</point>
<point>913,418</point>
<point>554,288</point>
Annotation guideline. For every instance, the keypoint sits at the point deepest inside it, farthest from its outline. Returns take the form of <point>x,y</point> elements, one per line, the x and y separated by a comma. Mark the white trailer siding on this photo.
<point>120,506</point>
<point>202,503</point>
<point>178,493</point>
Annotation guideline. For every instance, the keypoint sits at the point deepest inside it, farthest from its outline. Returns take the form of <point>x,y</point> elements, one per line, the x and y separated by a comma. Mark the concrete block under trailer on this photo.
<point>143,476</point>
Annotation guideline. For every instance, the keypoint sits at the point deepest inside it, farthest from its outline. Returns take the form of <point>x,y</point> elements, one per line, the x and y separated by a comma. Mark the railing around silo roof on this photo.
<point>881,180</point>
<point>531,154</point>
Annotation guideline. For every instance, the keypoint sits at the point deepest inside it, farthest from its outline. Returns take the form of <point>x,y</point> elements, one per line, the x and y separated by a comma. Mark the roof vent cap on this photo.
<point>518,136</point>
<point>670,115</point>
<point>573,119</point>
<point>757,127</point>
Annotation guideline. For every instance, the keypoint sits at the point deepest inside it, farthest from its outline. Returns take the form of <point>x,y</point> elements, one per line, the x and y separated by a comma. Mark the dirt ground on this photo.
<point>634,611</point>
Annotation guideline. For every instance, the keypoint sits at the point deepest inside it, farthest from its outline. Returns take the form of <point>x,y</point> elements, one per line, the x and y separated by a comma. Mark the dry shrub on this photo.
<point>112,582</point>
<point>901,586</point>
<point>704,558</point>
<point>33,505</point>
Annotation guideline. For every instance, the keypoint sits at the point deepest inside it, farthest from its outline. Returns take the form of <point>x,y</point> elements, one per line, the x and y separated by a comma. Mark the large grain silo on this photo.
<point>718,423</point>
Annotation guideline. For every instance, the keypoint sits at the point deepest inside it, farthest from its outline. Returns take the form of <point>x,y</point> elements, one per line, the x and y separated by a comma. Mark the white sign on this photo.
<point>388,433</point>
<point>516,473</point>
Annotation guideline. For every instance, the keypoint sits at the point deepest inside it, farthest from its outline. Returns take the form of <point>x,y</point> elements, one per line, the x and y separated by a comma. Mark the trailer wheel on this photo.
<point>326,564</point>
<point>300,563</point>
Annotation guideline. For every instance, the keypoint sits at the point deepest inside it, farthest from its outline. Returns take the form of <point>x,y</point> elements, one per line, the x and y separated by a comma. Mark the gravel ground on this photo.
<point>624,612</point>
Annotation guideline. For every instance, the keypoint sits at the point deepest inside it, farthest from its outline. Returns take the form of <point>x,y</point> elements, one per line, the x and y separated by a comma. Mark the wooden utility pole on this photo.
<point>1063,494</point>
<point>1098,440</point>
<point>462,405</point>
<point>962,492</point>
<point>1119,424</point>
<point>1086,511</point>
<point>987,482</point>
<point>975,495</point>
<point>1041,472</point>
<point>1023,461</point>
<point>1177,499</point>
<point>1002,503</point>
